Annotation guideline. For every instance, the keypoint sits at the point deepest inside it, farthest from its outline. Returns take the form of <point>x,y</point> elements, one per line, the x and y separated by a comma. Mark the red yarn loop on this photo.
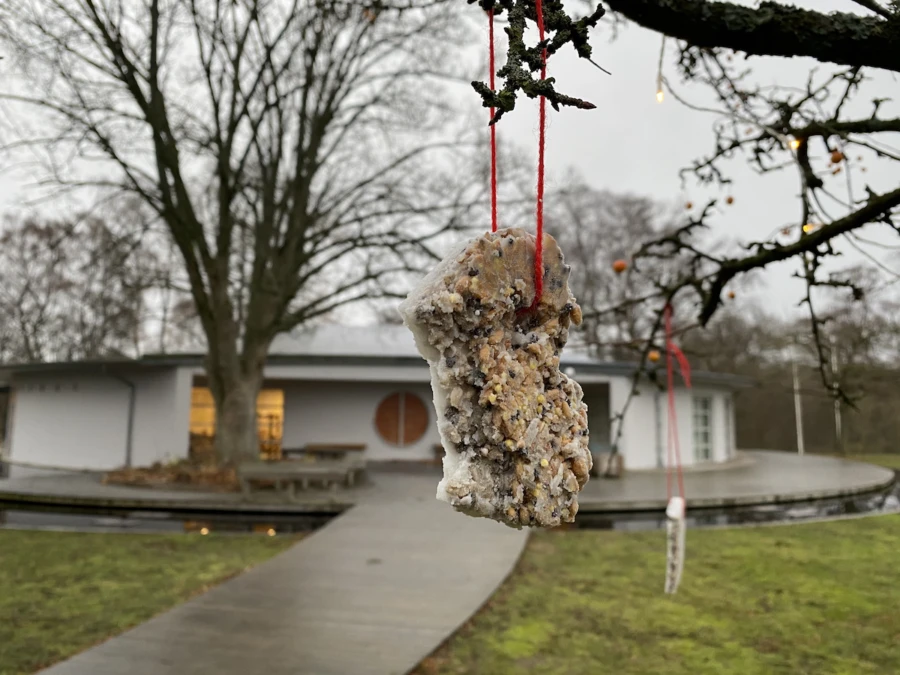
<point>493,127</point>
<point>673,353</point>
<point>542,135</point>
<point>542,126</point>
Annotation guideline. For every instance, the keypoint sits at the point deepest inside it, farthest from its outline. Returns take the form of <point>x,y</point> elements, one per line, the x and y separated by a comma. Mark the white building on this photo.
<point>331,384</point>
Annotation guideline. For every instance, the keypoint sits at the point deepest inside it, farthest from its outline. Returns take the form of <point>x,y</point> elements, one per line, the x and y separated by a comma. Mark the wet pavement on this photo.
<point>760,486</point>
<point>386,487</point>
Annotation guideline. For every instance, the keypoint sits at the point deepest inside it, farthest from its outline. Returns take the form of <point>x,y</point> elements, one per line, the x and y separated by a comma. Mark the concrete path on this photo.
<point>372,593</point>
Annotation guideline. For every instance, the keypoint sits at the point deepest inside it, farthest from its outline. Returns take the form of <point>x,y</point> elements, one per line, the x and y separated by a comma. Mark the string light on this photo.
<point>795,143</point>
<point>809,227</point>
<point>660,94</point>
<point>204,530</point>
<point>271,532</point>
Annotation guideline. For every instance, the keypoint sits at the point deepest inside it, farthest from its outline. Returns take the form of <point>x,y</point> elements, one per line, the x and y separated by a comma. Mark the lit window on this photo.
<point>401,419</point>
<point>203,412</point>
<point>702,428</point>
<point>269,419</point>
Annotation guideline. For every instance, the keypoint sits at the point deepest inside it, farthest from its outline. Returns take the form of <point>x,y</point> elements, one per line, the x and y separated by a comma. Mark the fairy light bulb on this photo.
<point>795,143</point>
<point>660,95</point>
<point>809,227</point>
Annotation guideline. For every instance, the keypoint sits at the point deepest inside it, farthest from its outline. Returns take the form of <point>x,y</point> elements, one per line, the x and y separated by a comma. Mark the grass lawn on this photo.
<point>888,461</point>
<point>818,598</point>
<point>63,592</point>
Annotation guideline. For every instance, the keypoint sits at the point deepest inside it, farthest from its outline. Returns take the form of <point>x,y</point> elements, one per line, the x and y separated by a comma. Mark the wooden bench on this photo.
<point>328,451</point>
<point>289,474</point>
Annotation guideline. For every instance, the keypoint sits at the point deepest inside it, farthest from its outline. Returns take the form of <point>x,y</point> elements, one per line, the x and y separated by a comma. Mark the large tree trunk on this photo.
<point>235,380</point>
<point>237,437</point>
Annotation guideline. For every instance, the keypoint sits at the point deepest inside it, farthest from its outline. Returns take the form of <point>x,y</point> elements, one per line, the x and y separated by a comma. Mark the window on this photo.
<point>702,428</point>
<point>269,420</point>
<point>401,419</point>
<point>203,412</point>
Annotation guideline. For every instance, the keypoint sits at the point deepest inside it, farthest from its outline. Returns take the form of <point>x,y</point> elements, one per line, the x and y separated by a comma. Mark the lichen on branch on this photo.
<point>522,61</point>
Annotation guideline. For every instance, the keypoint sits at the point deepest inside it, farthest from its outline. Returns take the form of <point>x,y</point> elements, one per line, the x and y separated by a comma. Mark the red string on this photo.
<point>493,128</point>
<point>542,124</point>
<point>673,353</point>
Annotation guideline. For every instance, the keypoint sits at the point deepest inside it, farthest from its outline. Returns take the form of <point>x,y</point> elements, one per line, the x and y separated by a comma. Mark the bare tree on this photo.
<point>71,289</point>
<point>816,131</point>
<point>279,141</point>
<point>600,232</point>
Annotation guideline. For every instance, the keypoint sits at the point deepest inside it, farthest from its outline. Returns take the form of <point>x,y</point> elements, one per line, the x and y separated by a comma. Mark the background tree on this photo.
<point>72,290</point>
<point>815,131</point>
<point>818,132</point>
<point>279,141</point>
<point>600,232</point>
<point>862,358</point>
<point>823,132</point>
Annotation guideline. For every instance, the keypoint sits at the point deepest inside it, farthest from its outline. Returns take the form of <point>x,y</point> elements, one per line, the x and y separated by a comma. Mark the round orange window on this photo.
<point>401,419</point>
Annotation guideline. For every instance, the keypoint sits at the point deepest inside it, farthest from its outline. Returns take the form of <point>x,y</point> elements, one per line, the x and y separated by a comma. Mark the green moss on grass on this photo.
<point>816,598</point>
<point>887,461</point>
<point>63,592</point>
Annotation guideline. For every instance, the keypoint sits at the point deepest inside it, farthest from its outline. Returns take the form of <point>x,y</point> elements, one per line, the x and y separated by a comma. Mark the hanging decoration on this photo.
<point>491,319</point>
<point>660,93</point>
<point>522,60</point>
<point>676,524</point>
<point>493,127</point>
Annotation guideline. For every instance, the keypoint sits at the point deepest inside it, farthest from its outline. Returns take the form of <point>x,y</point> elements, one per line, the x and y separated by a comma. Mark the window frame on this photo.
<point>403,398</point>
<point>729,427</point>
<point>703,450</point>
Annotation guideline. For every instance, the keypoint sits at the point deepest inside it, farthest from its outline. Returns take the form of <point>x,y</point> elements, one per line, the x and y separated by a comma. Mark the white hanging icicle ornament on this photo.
<point>676,524</point>
<point>676,529</point>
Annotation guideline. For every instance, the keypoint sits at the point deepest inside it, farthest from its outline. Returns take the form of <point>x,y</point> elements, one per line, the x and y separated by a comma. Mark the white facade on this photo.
<point>79,415</point>
<point>344,412</point>
<point>80,420</point>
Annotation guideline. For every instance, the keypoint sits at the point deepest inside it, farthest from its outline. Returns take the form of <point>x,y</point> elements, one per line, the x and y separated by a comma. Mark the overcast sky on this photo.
<point>631,143</point>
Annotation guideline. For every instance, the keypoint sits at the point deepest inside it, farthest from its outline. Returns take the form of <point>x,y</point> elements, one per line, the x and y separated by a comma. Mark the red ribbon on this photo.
<point>674,353</point>
<point>493,127</point>
<point>542,137</point>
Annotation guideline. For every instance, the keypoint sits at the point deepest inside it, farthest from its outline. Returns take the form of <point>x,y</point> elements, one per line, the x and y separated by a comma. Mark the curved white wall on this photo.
<point>80,421</point>
<point>344,412</point>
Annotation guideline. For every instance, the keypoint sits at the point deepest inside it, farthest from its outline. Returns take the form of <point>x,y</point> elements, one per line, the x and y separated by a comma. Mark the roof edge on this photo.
<point>614,368</point>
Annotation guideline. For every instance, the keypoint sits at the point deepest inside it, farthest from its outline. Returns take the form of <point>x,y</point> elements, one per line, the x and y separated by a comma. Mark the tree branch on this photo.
<point>772,29</point>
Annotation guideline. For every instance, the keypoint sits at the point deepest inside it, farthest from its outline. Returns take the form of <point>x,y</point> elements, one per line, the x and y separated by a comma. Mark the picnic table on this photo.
<point>328,451</point>
<point>287,475</point>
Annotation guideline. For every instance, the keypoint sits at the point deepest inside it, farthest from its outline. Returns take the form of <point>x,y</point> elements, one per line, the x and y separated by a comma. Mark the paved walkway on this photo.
<point>372,593</point>
<point>380,587</point>
<point>757,477</point>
